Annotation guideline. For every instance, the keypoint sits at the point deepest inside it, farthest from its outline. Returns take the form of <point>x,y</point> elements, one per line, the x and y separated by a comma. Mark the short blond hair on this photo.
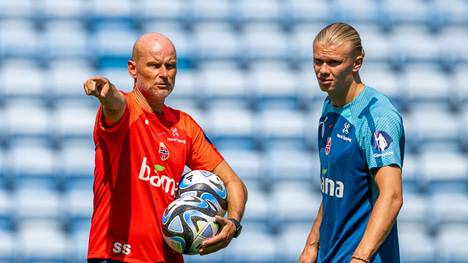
<point>337,33</point>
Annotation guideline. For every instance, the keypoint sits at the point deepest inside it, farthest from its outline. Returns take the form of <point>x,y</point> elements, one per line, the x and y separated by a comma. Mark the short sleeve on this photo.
<point>116,130</point>
<point>202,154</point>
<point>383,139</point>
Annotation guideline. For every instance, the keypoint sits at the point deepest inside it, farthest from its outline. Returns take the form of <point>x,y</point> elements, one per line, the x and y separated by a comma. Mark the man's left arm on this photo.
<point>384,213</point>
<point>237,197</point>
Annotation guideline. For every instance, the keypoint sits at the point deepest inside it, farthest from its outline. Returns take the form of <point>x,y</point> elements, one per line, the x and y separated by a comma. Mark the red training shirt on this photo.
<point>139,162</point>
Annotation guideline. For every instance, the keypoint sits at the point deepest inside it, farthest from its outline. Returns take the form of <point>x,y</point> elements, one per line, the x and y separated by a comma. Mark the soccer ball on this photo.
<point>188,221</point>
<point>207,186</point>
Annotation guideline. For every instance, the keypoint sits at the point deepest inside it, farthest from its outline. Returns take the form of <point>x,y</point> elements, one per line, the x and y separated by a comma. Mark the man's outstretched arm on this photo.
<point>112,100</point>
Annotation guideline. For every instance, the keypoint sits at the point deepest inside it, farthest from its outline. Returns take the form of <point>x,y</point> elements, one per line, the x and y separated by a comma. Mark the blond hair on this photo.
<point>338,33</point>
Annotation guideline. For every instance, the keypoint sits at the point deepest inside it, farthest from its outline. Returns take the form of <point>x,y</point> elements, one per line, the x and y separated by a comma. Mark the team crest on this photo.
<point>163,151</point>
<point>328,146</point>
<point>381,140</point>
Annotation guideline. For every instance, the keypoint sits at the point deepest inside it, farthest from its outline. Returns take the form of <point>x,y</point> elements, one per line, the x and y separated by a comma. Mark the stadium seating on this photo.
<point>245,74</point>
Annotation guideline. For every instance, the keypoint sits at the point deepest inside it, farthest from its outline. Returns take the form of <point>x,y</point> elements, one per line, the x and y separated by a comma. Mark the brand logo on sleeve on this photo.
<point>381,141</point>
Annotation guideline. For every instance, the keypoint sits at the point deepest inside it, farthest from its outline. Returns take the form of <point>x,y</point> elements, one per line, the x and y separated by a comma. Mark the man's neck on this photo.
<point>339,99</point>
<point>155,106</point>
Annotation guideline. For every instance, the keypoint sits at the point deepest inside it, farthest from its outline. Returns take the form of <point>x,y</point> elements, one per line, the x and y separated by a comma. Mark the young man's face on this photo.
<point>334,66</point>
<point>155,69</point>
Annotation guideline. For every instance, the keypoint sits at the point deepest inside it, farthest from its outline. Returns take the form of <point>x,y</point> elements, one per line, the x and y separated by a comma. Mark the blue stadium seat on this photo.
<point>231,124</point>
<point>32,245</point>
<point>282,125</point>
<point>308,11</point>
<point>416,245</point>
<point>290,164</point>
<point>76,162</point>
<point>445,171</point>
<point>18,9</point>
<point>66,78</point>
<point>246,162</point>
<point>367,11</point>
<point>449,208</point>
<point>291,241</point>
<point>257,244</point>
<point>78,204</point>
<point>113,42</point>
<point>163,10</point>
<point>31,161</point>
<point>19,38</point>
<point>36,203</point>
<point>264,41</point>
<point>405,12</point>
<point>441,129</point>
<point>283,89</point>
<point>8,248</point>
<point>216,41</point>
<point>460,84</point>
<point>376,43</point>
<point>414,44</point>
<point>294,202</point>
<point>15,85</point>
<point>454,13</point>
<point>73,119</point>
<point>6,210</point>
<point>57,9</point>
<point>220,10</point>
<point>112,10</point>
<point>260,10</point>
<point>19,122</point>
<point>256,210</point>
<point>63,39</point>
<point>77,242</point>
<point>416,209</point>
<point>426,83</point>
<point>224,81</point>
<point>413,180</point>
<point>454,53</point>
<point>302,36</point>
<point>451,240</point>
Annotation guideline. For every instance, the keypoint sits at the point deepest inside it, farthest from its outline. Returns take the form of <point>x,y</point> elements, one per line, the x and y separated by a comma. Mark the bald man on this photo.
<point>134,132</point>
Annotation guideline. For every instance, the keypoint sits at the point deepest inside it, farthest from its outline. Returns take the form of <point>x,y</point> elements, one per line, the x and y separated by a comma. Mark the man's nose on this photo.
<point>163,71</point>
<point>324,69</point>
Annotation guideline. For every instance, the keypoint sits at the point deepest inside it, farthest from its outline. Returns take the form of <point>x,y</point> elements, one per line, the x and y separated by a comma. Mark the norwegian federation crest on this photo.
<point>328,146</point>
<point>163,151</point>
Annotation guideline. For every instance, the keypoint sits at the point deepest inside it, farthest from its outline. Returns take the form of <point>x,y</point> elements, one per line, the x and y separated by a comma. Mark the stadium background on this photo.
<point>244,72</point>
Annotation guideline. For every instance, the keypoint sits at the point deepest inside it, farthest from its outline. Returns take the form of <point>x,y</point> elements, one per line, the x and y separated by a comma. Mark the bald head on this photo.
<point>152,42</point>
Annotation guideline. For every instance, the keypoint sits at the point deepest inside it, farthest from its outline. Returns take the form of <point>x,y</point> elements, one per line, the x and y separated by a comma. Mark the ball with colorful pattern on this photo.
<point>207,186</point>
<point>186,222</point>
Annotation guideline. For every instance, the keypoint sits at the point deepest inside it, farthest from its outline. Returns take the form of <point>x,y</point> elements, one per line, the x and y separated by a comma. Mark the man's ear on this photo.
<point>131,65</point>
<point>358,63</point>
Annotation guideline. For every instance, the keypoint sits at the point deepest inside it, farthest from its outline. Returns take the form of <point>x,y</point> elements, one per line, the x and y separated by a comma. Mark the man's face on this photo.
<point>334,66</point>
<point>154,69</point>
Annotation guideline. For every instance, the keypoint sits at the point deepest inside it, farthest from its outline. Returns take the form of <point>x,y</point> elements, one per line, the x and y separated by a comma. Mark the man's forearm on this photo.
<point>380,224</point>
<point>313,238</point>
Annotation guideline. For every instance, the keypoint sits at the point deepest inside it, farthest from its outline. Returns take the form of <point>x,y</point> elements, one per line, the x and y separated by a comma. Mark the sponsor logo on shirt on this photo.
<point>346,128</point>
<point>152,176</point>
<point>163,151</point>
<point>343,137</point>
<point>380,141</point>
<point>175,133</point>
<point>332,188</point>
<point>177,140</point>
